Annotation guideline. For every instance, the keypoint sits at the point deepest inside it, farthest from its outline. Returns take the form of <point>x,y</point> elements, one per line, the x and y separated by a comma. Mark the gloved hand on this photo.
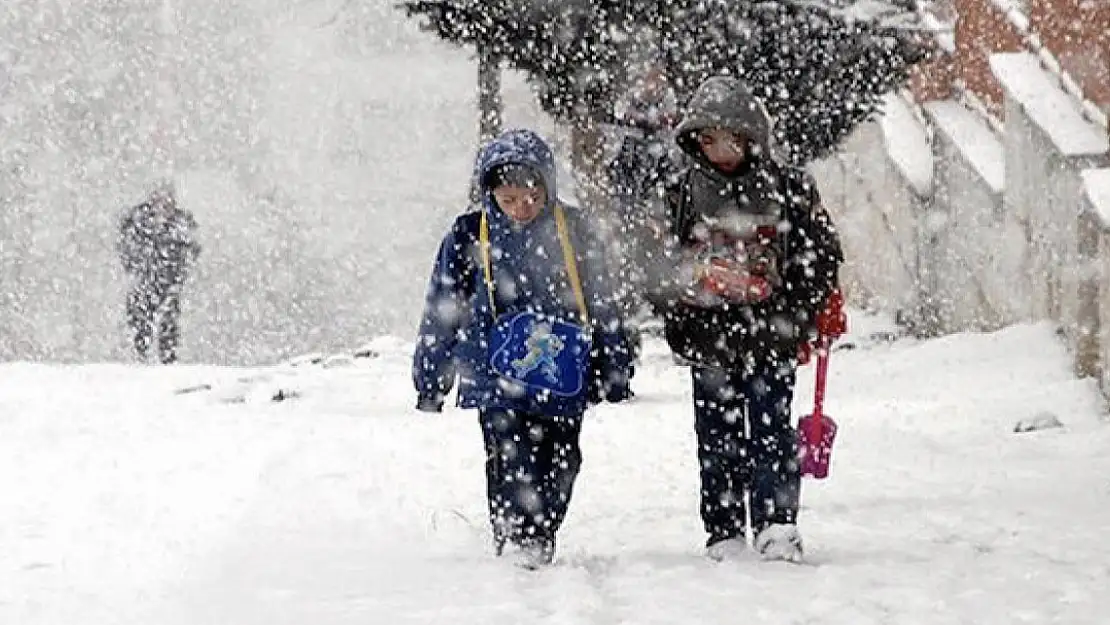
<point>832,321</point>
<point>805,353</point>
<point>613,389</point>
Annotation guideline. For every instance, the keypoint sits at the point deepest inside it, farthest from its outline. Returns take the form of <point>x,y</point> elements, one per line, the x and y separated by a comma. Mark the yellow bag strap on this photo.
<point>487,267</point>
<point>571,261</point>
<point>568,258</point>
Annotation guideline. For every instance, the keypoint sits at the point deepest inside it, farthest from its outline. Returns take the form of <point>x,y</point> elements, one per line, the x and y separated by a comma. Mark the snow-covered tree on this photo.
<point>820,72</point>
<point>570,48</point>
<point>821,68</point>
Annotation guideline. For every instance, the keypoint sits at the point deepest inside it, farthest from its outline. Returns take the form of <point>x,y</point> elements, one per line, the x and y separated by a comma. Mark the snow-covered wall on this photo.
<point>1096,187</point>
<point>1049,143</point>
<point>1054,144</point>
<point>877,203</point>
<point>1010,226</point>
<point>971,257</point>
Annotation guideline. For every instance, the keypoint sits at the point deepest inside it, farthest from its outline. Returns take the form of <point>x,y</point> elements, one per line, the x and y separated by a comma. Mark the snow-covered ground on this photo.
<point>124,501</point>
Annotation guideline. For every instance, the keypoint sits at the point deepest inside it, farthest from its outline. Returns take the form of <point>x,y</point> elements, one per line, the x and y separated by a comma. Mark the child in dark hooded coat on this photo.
<point>520,311</point>
<point>754,258</point>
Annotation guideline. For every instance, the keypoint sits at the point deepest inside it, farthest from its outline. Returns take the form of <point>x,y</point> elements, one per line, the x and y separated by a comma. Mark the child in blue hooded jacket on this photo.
<point>520,311</point>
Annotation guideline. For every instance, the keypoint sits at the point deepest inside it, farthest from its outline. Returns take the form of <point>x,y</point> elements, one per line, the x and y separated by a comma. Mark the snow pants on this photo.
<point>532,462</point>
<point>746,445</point>
<point>154,309</point>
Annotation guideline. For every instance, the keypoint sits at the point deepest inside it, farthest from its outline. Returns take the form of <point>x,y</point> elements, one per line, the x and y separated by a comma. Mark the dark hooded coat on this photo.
<point>764,194</point>
<point>529,275</point>
<point>157,243</point>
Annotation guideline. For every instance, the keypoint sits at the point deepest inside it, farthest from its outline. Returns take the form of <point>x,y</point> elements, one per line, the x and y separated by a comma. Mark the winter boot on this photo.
<point>780,542</point>
<point>533,554</point>
<point>727,549</point>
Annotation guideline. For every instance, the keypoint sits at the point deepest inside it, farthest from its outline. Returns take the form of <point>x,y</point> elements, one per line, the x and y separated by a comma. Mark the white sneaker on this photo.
<point>780,542</point>
<point>531,556</point>
<point>729,549</point>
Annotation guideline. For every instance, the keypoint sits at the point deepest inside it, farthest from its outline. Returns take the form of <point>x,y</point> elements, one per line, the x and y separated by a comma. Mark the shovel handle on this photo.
<point>822,377</point>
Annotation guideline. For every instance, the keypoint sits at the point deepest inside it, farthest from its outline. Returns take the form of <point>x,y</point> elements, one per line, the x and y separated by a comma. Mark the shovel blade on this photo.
<point>816,436</point>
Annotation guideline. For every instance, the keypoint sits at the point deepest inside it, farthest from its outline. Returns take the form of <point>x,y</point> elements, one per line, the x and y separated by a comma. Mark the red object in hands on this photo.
<point>817,431</point>
<point>723,279</point>
<point>832,321</point>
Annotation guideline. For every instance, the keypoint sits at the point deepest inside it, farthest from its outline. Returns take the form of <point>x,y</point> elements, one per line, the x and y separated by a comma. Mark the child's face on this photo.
<point>724,148</point>
<point>521,204</point>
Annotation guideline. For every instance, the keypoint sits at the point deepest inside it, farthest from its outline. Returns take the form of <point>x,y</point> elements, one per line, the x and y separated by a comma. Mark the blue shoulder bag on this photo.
<point>544,355</point>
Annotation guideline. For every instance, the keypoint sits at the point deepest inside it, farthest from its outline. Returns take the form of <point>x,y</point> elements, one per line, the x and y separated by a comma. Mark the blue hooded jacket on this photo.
<point>529,275</point>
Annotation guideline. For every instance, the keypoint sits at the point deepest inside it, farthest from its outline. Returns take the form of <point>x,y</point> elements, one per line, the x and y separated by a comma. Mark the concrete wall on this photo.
<point>878,201</point>
<point>1011,226</point>
<point>1100,277</point>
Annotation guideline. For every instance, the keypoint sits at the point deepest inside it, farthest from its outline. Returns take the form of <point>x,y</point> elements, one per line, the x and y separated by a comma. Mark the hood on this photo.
<point>519,147</point>
<point>724,102</point>
<point>522,283</point>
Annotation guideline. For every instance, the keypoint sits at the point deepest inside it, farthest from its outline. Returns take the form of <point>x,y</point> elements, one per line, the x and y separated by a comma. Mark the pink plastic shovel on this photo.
<point>817,431</point>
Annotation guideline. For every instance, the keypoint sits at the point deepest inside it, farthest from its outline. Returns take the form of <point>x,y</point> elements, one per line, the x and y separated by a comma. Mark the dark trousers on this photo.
<point>746,443</point>
<point>532,462</point>
<point>153,310</point>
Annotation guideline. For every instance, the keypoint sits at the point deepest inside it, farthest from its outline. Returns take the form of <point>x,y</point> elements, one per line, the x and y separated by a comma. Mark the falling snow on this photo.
<point>316,153</point>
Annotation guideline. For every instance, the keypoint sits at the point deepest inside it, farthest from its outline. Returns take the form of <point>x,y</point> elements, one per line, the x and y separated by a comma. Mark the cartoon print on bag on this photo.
<point>543,347</point>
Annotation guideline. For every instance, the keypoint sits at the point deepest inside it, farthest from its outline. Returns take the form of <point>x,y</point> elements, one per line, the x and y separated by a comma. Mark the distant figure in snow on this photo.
<point>645,115</point>
<point>157,246</point>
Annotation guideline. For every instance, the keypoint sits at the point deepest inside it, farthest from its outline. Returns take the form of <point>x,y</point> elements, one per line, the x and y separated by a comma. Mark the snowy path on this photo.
<point>124,503</point>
